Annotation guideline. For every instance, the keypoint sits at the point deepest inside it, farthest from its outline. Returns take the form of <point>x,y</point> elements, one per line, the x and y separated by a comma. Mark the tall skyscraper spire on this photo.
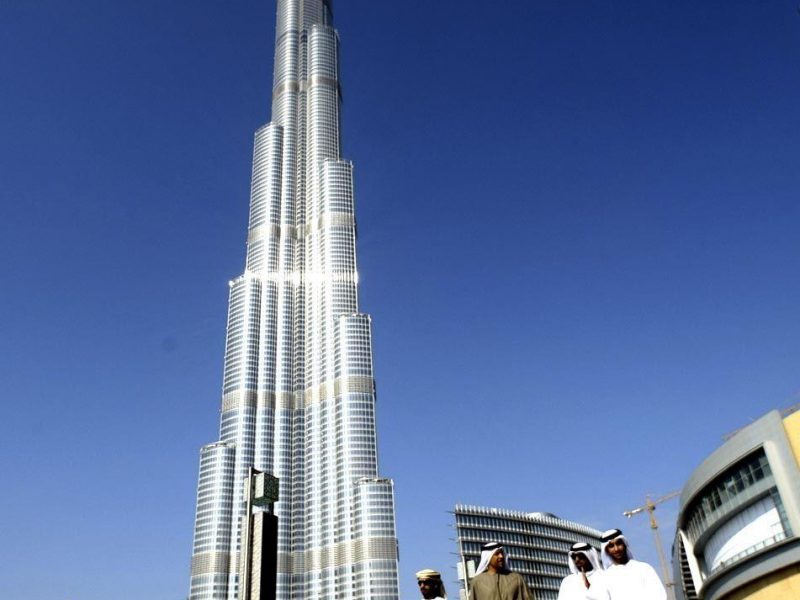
<point>298,394</point>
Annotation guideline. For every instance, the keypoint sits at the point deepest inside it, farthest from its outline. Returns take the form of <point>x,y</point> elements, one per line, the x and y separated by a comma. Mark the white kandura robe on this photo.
<point>634,580</point>
<point>573,588</point>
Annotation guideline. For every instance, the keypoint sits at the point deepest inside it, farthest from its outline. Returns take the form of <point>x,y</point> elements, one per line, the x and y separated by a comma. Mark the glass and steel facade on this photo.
<point>298,393</point>
<point>537,544</point>
<point>739,520</point>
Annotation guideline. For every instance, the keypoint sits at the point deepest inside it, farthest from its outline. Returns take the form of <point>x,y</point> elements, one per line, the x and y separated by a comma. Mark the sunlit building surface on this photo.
<point>738,530</point>
<point>537,544</point>
<point>298,395</point>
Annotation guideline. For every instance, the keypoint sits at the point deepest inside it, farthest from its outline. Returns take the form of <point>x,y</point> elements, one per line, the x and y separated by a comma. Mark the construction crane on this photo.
<point>650,508</point>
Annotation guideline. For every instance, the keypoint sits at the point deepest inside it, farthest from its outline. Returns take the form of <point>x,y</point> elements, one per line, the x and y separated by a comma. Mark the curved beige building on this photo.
<point>738,530</point>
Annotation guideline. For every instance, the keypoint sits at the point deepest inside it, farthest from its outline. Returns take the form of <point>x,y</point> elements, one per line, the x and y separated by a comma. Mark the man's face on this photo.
<point>583,563</point>
<point>498,560</point>
<point>617,551</point>
<point>429,588</point>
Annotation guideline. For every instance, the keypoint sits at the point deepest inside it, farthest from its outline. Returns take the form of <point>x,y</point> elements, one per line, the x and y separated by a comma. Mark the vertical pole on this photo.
<point>258,574</point>
<point>651,508</point>
<point>245,553</point>
<point>265,571</point>
<point>463,562</point>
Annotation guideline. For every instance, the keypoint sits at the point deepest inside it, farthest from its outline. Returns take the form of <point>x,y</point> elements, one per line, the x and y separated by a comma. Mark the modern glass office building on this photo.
<point>298,395</point>
<point>537,544</point>
<point>738,530</point>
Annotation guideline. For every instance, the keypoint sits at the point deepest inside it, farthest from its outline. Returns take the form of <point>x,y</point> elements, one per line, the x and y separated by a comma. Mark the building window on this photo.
<point>725,493</point>
<point>756,527</point>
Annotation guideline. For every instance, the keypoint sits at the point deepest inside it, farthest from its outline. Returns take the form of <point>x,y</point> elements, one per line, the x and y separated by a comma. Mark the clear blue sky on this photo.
<point>579,232</point>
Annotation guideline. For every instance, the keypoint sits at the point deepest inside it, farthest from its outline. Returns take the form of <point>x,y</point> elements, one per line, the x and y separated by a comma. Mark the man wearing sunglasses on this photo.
<point>430,585</point>
<point>585,579</point>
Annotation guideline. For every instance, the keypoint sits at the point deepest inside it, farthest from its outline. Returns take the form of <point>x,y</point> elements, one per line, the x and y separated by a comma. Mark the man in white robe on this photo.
<point>431,585</point>
<point>624,577</point>
<point>585,581</point>
<point>494,579</point>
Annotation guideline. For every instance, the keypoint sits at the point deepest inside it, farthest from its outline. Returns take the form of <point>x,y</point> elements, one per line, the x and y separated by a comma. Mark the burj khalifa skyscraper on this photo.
<point>298,394</point>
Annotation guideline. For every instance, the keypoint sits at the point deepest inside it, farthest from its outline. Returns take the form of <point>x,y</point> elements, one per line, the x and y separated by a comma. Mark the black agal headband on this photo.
<point>610,535</point>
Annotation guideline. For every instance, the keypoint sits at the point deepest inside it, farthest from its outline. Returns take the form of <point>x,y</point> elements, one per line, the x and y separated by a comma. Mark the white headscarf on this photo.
<point>589,552</point>
<point>487,551</point>
<point>608,536</point>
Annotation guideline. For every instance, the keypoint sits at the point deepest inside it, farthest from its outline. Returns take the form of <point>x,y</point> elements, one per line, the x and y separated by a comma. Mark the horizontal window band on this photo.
<point>297,85</point>
<point>286,33</point>
<point>338,555</point>
<point>296,278</point>
<point>209,563</point>
<point>298,232</point>
<point>327,390</point>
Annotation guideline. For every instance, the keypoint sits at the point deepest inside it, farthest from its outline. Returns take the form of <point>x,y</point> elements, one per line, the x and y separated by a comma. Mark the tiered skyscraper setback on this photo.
<point>298,397</point>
